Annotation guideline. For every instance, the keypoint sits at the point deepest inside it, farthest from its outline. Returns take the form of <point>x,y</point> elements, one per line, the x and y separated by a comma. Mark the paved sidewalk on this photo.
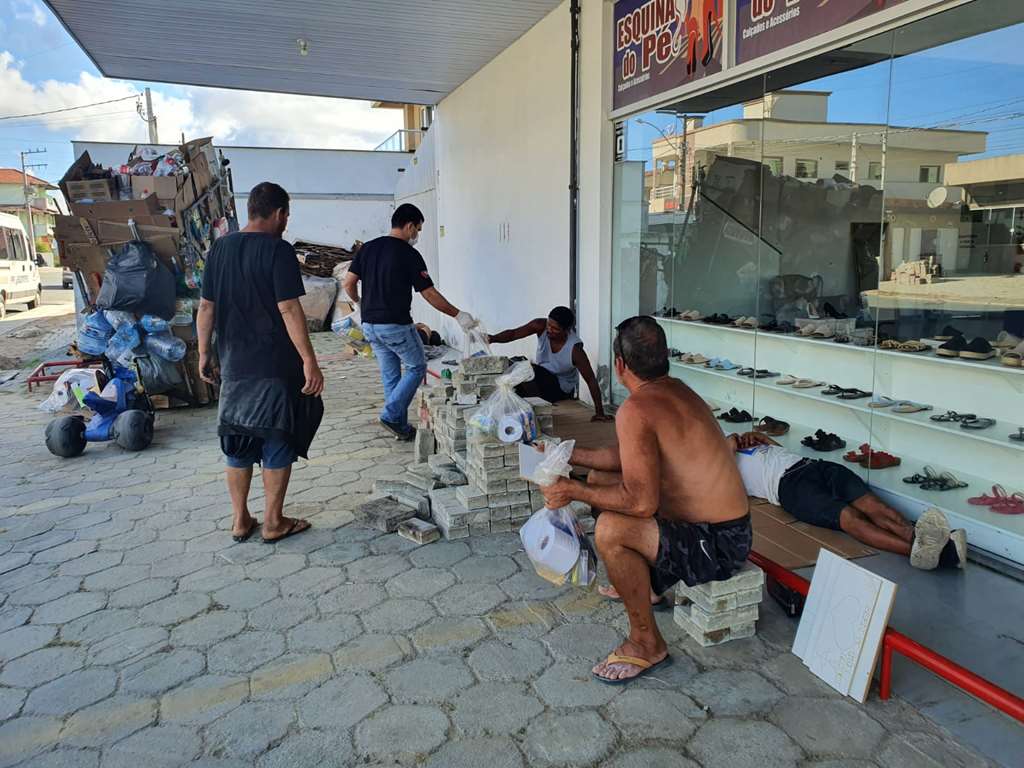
<point>133,632</point>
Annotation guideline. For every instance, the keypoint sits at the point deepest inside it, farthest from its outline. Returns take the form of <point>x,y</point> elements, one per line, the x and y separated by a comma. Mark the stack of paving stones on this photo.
<point>719,611</point>
<point>450,405</point>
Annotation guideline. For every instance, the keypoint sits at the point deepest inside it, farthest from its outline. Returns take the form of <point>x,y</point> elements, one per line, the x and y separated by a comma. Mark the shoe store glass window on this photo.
<point>841,248</point>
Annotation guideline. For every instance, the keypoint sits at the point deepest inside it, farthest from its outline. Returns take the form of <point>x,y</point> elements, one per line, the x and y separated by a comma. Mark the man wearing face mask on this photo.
<point>390,269</point>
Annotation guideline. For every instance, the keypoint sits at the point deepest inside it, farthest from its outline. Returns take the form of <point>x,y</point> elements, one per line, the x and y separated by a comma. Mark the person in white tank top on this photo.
<point>560,360</point>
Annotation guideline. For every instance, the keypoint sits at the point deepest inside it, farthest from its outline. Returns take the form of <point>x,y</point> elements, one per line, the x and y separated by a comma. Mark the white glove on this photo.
<point>466,321</point>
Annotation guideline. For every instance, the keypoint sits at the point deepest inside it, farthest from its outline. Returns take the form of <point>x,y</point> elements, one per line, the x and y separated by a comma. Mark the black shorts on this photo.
<point>815,491</point>
<point>544,385</point>
<point>696,553</point>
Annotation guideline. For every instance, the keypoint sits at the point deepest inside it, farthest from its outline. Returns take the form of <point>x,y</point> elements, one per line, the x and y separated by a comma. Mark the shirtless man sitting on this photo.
<point>670,499</point>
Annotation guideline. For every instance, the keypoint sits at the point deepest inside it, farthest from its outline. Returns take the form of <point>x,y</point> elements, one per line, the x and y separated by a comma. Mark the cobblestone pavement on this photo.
<point>134,632</point>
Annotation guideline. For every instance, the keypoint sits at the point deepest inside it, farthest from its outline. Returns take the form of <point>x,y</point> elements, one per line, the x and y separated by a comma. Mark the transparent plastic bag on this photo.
<point>164,345</point>
<point>153,324</point>
<point>125,339</point>
<point>94,335</point>
<point>505,416</point>
<point>553,538</point>
<point>474,342</point>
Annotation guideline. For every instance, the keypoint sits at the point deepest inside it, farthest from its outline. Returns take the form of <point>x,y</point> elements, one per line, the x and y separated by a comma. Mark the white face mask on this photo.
<point>414,239</point>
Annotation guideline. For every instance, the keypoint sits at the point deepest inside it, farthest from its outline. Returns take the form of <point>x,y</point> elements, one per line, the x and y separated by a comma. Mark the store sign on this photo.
<point>766,26</point>
<point>662,44</point>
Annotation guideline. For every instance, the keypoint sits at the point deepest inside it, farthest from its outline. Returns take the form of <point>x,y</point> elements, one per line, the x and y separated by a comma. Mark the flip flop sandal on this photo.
<point>952,416</point>
<point>891,344</point>
<point>841,339</point>
<point>1018,435</point>
<point>245,536</point>
<point>1005,340</point>
<point>806,384</point>
<point>998,495</point>
<point>1011,505</point>
<point>739,321</point>
<point>1012,360</point>
<point>907,406</point>
<point>290,532</point>
<point>824,332</point>
<point>881,401</point>
<point>773,427</point>
<point>750,322</point>
<point>761,373</point>
<point>832,389</point>
<point>726,365</point>
<point>740,417</point>
<point>697,359</point>
<point>644,664</point>
<point>745,372</point>
<point>853,394</point>
<point>977,423</point>
<point>787,380</point>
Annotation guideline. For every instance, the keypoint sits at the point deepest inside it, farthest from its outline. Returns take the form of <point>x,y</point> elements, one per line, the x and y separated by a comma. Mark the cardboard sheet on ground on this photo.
<point>573,422</point>
<point>841,629</point>
<point>792,544</point>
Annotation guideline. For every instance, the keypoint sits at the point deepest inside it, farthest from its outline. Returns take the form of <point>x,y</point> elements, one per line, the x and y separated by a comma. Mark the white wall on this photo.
<point>502,152</point>
<point>338,196</point>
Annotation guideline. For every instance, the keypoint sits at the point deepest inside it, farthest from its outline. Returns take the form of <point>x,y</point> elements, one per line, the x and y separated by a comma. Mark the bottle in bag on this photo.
<point>166,346</point>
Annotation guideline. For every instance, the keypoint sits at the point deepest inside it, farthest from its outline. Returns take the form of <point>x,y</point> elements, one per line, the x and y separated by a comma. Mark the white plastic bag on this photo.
<point>67,387</point>
<point>553,538</point>
<point>505,416</point>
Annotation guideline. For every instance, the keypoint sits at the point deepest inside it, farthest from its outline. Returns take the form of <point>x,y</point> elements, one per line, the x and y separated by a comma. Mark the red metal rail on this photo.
<point>43,372</point>
<point>897,642</point>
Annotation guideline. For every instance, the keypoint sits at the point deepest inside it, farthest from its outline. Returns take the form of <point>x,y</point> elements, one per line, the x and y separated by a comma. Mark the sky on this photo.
<point>42,69</point>
<point>972,84</point>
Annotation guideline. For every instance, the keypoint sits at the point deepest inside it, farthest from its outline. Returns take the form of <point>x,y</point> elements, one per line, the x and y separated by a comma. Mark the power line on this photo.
<point>68,109</point>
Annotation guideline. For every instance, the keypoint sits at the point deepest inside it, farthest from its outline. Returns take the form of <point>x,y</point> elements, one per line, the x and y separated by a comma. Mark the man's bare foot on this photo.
<point>243,529</point>
<point>612,594</point>
<point>620,670</point>
<point>289,527</point>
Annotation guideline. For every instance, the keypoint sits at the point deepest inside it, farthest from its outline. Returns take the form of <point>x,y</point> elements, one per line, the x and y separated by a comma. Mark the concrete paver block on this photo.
<point>716,637</point>
<point>578,739</point>
<point>384,514</point>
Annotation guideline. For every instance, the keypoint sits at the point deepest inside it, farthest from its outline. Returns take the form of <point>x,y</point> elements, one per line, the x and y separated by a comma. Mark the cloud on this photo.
<point>28,10</point>
<point>231,117</point>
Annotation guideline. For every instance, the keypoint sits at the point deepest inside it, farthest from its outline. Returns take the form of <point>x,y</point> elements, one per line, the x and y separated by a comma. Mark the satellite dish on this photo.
<point>938,197</point>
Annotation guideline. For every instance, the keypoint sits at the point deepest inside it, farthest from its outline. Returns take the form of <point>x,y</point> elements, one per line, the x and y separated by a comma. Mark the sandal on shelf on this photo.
<point>853,394</point>
<point>880,460</point>
<point>762,373</point>
<point>787,379</point>
<point>832,389</point>
<point>842,339</point>
<point>881,401</point>
<point>917,478</point>
<point>984,500</point>
<point>1012,360</point>
<point>734,416</point>
<point>824,331</point>
<point>773,427</point>
<point>947,481</point>
<point>855,457</point>
<point>745,372</point>
<point>948,333</point>
<point>824,441</point>
<point>952,416</point>
<point>724,365</point>
<point>908,406</point>
<point>806,384</point>
<point>977,423</point>
<point>912,346</point>
<point>697,359</point>
<point>891,344</point>
<point>1018,435</point>
<point>1011,505</point>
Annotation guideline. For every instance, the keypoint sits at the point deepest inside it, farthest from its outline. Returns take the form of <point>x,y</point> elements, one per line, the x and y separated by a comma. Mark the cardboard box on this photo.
<point>95,189</point>
<point>120,210</point>
<point>84,242</point>
<point>164,187</point>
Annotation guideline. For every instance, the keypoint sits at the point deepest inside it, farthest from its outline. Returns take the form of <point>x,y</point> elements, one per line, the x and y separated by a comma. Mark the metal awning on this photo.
<point>402,50</point>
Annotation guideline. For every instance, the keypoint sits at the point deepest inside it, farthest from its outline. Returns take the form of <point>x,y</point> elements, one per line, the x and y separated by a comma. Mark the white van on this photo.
<point>19,275</point>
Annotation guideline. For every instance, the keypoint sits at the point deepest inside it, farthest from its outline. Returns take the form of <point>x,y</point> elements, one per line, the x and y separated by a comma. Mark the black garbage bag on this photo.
<point>158,375</point>
<point>137,281</point>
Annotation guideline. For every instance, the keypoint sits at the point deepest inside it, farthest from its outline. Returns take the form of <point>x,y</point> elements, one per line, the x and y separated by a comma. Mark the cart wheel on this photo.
<point>65,436</point>
<point>133,430</point>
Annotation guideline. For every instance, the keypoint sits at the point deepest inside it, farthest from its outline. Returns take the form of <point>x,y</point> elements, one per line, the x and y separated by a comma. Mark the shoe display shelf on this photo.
<point>980,458</point>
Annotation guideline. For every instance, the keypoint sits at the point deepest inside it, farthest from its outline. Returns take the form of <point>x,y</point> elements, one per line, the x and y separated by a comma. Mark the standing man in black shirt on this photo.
<point>390,269</point>
<point>270,381</point>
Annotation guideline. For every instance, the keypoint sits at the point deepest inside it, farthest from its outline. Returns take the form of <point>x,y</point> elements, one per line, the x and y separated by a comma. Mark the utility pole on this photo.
<point>27,190</point>
<point>151,119</point>
<point>853,158</point>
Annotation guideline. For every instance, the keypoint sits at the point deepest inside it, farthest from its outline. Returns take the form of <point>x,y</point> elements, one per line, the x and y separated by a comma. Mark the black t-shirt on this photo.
<point>247,274</point>
<point>389,269</point>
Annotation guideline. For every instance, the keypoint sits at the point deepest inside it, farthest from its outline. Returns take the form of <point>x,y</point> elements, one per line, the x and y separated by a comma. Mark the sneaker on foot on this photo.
<point>401,432</point>
<point>931,532</point>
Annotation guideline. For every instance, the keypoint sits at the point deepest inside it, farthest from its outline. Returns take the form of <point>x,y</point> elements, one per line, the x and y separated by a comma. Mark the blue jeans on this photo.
<point>395,346</point>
